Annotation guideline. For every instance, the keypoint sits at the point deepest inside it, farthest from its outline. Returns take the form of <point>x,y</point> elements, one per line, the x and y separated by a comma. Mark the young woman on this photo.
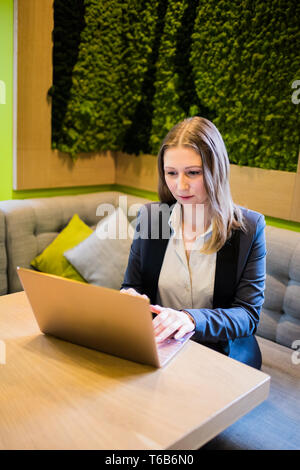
<point>206,273</point>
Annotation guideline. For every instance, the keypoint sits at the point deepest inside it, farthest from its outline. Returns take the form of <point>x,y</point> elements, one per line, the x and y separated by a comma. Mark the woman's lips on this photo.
<point>185,197</point>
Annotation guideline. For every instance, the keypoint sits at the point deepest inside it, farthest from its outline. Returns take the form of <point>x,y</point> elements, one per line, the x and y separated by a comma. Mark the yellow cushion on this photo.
<point>52,260</point>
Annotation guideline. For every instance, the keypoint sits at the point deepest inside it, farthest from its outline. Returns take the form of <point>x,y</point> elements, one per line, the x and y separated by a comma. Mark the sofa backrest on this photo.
<point>3,257</point>
<point>32,224</point>
<point>280,316</point>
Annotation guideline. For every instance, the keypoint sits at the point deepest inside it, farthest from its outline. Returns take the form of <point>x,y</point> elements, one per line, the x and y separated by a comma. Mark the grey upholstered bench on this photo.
<point>32,224</point>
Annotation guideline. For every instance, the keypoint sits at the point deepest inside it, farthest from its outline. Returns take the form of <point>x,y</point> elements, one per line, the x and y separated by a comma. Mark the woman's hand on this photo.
<point>133,292</point>
<point>170,321</point>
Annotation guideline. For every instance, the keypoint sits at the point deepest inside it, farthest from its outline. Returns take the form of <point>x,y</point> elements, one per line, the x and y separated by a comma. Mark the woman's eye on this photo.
<point>190,173</point>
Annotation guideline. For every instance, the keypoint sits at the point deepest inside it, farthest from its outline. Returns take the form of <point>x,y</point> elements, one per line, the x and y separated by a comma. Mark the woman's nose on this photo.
<point>182,182</point>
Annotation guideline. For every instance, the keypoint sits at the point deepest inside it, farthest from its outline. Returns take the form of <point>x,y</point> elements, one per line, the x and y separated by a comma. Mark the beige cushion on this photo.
<point>102,258</point>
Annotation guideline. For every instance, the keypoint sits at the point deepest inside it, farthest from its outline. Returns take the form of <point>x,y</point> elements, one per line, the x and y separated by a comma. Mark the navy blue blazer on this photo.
<point>229,326</point>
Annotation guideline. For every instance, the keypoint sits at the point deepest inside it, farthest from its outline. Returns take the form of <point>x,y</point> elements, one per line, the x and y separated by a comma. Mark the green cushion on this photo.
<point>52,260</point>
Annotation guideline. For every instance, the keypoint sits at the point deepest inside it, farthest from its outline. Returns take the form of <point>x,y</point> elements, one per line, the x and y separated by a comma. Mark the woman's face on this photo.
<point>184,175</point>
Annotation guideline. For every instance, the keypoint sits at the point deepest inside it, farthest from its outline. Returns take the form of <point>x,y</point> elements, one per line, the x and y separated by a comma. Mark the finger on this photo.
<point>128,291</point>
<point>185,328</point>
<point>158,307</point>
<point>133,292</point>
<point>167,332</point>
<point>182,332</point>
<point>155,308</point>
<point>159,329</point>
<point>160,319</point>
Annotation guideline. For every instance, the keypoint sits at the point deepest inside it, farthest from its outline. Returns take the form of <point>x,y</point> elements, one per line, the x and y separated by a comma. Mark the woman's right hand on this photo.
<point>133,292</point>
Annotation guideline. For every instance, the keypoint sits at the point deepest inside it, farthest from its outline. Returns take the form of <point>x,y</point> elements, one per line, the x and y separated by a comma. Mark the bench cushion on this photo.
<point>280,316</point>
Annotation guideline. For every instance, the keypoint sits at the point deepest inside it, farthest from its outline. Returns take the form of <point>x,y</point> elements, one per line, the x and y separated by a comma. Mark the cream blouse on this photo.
<point>186,283</point>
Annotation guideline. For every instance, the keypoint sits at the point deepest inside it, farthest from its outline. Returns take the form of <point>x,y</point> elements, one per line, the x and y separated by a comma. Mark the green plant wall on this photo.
<point>107,78</point>
<point>126,71</point>
<point>245,57</point>
<point>175,96</point>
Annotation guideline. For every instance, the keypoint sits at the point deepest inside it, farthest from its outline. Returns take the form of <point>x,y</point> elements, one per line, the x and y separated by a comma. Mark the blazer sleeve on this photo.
<point>242,317</point>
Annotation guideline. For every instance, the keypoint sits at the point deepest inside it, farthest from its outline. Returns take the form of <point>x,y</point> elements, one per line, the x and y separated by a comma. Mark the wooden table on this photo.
<point>57,395</point>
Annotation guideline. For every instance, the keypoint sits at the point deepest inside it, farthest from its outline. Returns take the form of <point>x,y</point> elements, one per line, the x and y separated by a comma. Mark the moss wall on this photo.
<point>126,71</point>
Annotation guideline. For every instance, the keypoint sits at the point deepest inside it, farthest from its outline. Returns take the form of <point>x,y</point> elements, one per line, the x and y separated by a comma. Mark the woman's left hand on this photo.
<point>170,321</point>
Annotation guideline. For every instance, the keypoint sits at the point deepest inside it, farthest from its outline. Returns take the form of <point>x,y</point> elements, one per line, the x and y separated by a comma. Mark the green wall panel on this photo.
<point>6,98</point>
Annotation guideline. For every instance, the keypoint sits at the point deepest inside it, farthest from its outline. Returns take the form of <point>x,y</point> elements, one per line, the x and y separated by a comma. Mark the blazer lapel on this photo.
<point>157,251</point>
<point>226,271</point>
<point>154,254</point>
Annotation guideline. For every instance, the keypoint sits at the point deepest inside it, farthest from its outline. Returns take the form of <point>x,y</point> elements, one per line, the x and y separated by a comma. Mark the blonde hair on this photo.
<point>202,136</point>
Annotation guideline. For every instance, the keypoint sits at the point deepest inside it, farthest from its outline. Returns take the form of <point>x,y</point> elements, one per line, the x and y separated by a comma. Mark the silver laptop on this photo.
<point>96,317</point>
